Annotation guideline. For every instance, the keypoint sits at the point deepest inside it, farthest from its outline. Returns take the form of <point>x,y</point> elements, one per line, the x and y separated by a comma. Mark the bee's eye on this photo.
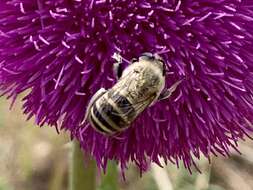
<point>134,60</point>
<point>147,56</point>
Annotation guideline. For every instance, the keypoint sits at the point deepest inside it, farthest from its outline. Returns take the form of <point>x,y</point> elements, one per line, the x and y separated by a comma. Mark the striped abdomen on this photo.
<point>111,113</point>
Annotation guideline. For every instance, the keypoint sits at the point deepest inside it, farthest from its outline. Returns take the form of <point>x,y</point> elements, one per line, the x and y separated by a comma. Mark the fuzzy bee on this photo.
<point>139,86</point>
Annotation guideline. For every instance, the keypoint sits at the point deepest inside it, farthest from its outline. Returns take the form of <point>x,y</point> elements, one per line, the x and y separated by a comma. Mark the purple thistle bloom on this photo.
<point>61,51</point>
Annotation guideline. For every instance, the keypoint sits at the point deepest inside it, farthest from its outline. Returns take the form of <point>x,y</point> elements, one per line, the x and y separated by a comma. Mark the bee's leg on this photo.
<point>117,66</point>
<point>98,94</point>
<point>168,92</point>
<point>134,60</point>
<point>118,69</point>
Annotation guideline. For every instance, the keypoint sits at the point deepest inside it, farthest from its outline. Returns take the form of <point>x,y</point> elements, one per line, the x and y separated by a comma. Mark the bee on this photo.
<point>139,86</point>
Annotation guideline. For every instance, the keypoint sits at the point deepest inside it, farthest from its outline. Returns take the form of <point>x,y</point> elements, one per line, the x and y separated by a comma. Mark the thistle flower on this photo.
<point>61,51</point>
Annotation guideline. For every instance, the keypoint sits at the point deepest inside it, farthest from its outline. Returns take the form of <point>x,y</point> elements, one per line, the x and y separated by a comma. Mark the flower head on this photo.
<point>61,51</point>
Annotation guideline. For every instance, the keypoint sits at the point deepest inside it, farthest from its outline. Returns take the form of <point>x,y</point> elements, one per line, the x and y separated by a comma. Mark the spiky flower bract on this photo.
<point>61,51</point>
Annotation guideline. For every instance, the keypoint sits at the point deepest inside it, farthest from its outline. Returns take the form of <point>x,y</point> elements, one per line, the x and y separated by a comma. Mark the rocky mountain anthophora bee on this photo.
<point>139,86</point>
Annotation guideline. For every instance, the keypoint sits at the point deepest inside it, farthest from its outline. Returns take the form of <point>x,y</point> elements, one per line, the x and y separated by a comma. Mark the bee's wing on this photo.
<point>125,108</point>
<point>124,111</point>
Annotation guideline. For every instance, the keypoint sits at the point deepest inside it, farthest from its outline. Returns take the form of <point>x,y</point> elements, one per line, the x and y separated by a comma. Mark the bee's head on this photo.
<point>154,59</point>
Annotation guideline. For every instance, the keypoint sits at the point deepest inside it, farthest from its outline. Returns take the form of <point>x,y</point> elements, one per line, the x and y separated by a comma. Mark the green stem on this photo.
<point>82,176</point>
<point>110,179</point>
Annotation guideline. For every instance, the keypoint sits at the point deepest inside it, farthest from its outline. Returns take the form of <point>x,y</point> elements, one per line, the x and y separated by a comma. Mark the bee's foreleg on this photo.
<point>98,94</point>
<point>118,69</point>
<point>134,60</point>
<point>117,66</point>
<point>168,92</point>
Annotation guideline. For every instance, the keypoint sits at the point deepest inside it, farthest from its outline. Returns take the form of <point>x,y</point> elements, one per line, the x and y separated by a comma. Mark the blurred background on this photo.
<point>33,158</point>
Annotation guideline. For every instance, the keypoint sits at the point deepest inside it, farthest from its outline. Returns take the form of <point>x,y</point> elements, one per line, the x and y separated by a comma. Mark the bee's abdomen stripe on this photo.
<point>114,116</point>
<point>123,105</point>
<point>97,126</point>
<point>101,119</point>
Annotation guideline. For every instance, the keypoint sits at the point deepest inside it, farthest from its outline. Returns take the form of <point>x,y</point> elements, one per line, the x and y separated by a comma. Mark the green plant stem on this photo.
<point>82,176</point>
<point>110,179</point>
